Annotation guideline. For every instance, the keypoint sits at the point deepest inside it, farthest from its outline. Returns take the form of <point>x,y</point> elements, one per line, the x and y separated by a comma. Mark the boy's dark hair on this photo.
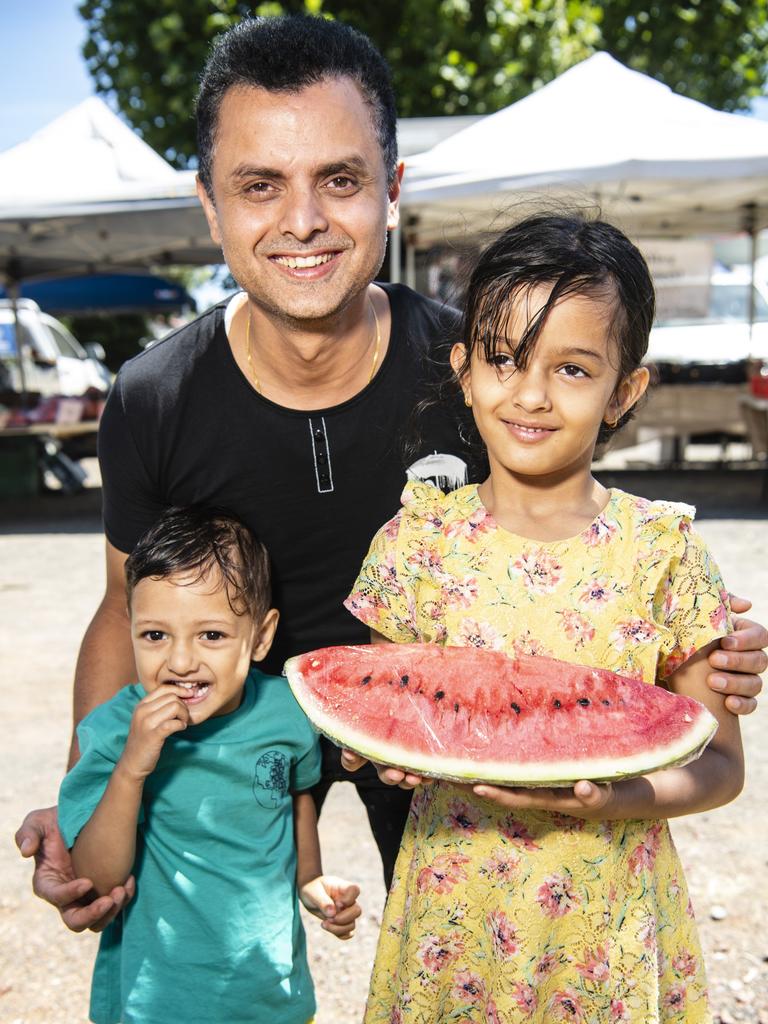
<point>191,542</point>
<point>287,53</point>
<point>576,256</point>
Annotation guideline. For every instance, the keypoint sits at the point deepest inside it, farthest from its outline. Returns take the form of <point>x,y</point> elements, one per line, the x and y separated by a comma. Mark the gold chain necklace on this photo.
<point>249,357</point>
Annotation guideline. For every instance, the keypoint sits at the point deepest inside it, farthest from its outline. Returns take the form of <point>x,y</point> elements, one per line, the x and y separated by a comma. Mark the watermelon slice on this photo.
<point>478,716</point>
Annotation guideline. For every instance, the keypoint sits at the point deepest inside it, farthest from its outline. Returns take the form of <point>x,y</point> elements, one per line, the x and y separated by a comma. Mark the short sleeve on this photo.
<point>130,500</point>
<point>83,788</point>
<point>306,770</point>
<point>101,737</point>
<point>385,594</point>
<point>691,602</point>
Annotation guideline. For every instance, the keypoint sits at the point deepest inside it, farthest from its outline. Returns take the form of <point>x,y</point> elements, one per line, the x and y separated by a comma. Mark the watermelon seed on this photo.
<point>515,707</point>
<point>606,702</point>
<point>557,703</point>
<point>365,681</point>
<point>440,694</point>
<point>404,680</point>
<point>584,701</point>
<point>455,707</point>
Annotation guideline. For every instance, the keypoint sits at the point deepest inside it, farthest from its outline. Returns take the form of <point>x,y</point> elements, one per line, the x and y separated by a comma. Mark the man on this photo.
<point>287,405</point>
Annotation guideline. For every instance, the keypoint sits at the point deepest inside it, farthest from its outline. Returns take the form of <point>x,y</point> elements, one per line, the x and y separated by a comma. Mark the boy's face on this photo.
<point>185,633</point>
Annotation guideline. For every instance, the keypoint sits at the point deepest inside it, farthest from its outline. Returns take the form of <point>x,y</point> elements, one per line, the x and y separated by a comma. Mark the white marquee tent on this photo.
<point>86,193</point>
<point>655,162</point>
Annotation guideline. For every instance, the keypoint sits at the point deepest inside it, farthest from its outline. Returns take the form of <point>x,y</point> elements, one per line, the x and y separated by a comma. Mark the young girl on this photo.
<point>514,905</point>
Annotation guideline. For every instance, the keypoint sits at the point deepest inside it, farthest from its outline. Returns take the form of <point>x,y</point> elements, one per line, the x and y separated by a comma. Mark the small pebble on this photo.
<point>718,913</point>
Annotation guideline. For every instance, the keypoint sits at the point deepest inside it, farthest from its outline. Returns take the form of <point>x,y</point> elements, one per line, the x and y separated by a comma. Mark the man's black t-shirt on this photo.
<point>183,426</point>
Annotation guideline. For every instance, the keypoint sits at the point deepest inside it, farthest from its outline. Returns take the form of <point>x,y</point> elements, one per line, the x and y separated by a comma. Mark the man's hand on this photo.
<point>739,660</point>
<point>334,901</point>
<point>584,800</point>
<point>400,777</point>
<point>54,879</point>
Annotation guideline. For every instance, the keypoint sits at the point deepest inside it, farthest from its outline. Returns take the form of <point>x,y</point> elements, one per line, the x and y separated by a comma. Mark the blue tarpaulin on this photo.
<point>108,293</point>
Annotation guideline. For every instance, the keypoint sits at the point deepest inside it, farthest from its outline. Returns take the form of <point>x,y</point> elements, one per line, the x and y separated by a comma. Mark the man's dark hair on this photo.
<point>192,541</point>
<point>287,54</point>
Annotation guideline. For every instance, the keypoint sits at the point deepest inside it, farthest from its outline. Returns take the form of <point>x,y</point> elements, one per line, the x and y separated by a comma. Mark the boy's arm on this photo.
<point>713,779</point>
<point>105,848</point>
<point>331,899</point>
<point>308,861</point>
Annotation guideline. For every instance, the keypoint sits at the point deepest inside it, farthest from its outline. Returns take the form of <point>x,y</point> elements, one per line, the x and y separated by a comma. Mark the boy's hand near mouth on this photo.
<point>161,713</point>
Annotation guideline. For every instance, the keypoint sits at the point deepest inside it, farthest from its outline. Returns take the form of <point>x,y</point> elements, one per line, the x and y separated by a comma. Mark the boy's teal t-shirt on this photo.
<point>214,933</point>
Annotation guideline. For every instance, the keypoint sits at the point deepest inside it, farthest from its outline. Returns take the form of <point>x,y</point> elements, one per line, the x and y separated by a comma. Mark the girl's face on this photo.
<point>543,420</point>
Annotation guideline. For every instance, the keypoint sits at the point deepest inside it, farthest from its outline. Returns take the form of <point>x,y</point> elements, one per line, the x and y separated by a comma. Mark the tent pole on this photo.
<point>395,274</point>
<point>750,226</point>
<point>12,289</point>
<point>410,264</point>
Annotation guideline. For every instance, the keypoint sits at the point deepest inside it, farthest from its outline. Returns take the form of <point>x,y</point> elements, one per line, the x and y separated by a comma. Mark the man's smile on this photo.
<point>304,261</point>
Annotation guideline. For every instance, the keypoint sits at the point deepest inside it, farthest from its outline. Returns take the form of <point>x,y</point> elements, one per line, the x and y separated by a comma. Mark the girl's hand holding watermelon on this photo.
<point>585,800</point>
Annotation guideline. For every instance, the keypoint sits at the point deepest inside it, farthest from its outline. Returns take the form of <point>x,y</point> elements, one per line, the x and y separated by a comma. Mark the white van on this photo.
<point>55,363</point>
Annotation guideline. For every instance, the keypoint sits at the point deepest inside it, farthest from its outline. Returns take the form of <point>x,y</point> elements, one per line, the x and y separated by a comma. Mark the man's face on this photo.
<point>301,204</point>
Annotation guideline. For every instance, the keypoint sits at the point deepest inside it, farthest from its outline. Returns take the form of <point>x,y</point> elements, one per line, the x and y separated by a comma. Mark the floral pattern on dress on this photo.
<point>497,917</point>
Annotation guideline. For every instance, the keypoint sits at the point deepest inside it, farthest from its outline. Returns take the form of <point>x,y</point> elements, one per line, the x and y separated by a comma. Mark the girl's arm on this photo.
<point>105,848</point>
<point>714,779</point>
<point>331,899</point>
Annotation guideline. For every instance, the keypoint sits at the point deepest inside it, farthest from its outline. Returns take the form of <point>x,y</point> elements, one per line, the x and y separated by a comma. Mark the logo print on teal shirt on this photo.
<point>270,779</point>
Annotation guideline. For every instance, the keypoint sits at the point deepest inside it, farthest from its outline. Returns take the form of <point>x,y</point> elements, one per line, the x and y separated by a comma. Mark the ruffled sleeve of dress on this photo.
<point>385,594</point>
<point>683,586</point>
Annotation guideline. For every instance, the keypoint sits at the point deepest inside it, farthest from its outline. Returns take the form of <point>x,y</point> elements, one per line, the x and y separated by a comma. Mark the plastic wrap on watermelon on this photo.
<point>479,716</point>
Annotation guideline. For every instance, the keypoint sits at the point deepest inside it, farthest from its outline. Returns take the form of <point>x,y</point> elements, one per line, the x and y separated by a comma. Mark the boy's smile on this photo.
<point>186,635</point>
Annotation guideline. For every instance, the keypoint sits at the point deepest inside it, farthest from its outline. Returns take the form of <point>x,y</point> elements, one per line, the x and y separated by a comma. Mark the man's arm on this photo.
<point>105,663</point>
<point>736,665</point>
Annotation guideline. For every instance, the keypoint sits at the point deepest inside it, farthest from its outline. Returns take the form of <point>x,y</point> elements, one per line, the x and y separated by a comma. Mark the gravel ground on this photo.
<point>51,572</point>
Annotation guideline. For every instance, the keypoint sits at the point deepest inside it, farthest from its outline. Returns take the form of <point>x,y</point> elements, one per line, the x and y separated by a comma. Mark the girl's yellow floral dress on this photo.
<point>503,917</point>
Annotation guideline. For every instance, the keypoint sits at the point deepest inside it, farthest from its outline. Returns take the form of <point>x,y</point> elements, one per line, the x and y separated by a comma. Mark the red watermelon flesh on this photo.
<point>479,716</point>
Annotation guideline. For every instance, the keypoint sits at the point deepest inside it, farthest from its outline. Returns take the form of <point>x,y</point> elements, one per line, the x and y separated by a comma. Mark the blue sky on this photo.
<point>42,73</point>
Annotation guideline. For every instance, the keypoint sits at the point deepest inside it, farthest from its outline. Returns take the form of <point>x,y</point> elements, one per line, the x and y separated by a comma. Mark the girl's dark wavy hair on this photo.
<point>192,541</point>
<point>575,255</point>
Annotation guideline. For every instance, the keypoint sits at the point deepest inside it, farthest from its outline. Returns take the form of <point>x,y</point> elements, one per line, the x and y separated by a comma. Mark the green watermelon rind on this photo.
<point>680,752</point>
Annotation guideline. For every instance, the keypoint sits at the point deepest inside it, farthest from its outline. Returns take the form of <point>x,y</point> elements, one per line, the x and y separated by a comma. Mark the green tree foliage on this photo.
<point>447,56</point>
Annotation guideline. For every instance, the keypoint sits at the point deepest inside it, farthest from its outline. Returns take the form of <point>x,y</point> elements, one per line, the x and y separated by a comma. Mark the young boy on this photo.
<point>195,780</point>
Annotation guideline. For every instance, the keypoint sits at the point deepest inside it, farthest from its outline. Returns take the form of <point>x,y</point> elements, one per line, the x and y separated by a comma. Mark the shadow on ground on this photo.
<point>52,512</point>
<point>720,493</point>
